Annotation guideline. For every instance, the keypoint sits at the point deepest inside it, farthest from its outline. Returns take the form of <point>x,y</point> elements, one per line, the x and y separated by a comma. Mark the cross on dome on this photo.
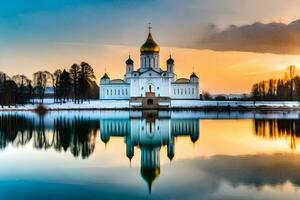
<point>149,27</point>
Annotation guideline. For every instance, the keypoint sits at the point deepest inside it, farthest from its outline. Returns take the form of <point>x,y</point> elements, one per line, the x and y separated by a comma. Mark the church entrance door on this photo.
<point>150,102</point>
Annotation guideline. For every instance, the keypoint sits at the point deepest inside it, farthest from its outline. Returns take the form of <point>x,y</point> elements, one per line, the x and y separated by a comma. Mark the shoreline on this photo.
<point>204,109</point>
<point>196,105</point>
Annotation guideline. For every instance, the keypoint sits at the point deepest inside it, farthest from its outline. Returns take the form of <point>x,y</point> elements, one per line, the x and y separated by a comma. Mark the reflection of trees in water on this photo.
<point>279,129</point>
<point>15,129</point>
<point>77,134</point>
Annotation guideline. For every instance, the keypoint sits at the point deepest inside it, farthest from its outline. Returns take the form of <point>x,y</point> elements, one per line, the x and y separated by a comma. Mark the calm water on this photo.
<point>149,155</point>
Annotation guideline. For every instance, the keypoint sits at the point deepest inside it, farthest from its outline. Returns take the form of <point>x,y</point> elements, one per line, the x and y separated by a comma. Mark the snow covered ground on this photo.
<point>49,104</point>
<point>123,104</point>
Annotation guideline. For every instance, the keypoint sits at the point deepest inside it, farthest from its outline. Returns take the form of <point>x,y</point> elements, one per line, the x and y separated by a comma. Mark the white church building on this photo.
<point>149,85</point>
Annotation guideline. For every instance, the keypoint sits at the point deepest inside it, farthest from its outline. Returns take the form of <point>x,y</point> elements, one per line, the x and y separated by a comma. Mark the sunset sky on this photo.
<point>229,43</point>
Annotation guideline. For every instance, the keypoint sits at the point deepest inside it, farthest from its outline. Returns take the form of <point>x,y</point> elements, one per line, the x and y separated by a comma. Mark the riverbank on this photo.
<point>175,105</point>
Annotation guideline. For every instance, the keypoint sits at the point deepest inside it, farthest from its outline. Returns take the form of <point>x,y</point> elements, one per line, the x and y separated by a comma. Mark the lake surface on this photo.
<point>149,155</point>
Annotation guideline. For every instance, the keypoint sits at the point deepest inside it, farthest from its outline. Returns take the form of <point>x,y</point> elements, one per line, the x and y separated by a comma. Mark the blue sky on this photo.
<point>47,34</point>
<point>124,22</point>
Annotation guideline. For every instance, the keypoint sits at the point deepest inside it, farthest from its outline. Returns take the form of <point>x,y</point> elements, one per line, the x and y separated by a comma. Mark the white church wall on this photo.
<point>115,91</point>
<point>159,85</point>
<point>184,91</point>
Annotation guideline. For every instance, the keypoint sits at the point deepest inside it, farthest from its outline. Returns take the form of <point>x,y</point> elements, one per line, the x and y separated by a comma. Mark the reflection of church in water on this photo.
<point>149,131</point>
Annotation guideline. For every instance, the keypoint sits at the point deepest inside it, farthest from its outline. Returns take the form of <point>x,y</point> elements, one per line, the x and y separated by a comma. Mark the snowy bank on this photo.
<point>175,104</point>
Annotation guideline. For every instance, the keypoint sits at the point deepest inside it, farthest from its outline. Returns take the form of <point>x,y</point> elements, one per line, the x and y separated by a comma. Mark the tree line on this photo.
<point>76,84</point>
<point>285,89</point>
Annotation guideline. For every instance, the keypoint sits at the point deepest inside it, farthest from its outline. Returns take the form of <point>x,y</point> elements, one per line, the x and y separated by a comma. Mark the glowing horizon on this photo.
<point>218,72</point>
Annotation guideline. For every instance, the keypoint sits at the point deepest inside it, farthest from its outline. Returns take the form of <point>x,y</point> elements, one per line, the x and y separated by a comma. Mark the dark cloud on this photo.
<point>278,38</point>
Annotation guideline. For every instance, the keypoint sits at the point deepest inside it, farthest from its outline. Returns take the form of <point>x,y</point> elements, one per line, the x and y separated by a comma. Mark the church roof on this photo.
<point>150,46</point>
<point>182,80</point>
<point>117,81</point>
<point>193,75</point>
<point>159,71</point>
<point>149,175</point>
<point>170,60</point>
<point>129,61</point>
<point>105,76</point>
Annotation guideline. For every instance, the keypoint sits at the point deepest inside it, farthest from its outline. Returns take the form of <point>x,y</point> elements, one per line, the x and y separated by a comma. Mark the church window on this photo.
<point>147,62</point>
<point>152,62</point>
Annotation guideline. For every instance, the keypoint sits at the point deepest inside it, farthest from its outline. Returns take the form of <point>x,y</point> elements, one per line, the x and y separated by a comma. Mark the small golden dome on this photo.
<point>150,46</point>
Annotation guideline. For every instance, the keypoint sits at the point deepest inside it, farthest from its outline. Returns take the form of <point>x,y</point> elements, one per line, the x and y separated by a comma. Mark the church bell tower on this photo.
<point>149,53</point>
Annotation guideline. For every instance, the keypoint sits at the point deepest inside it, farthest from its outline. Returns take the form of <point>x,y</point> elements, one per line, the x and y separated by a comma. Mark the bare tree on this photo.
<point>41,80</point>
<point>86,80</point>
<point>55,81</point>
<point>24,88</point>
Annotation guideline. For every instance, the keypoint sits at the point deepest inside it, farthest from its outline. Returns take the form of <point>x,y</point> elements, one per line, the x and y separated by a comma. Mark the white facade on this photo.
<point>149,78</point>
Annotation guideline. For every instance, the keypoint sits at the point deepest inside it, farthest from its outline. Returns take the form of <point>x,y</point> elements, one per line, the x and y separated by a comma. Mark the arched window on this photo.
<point>184,90</point>
<point>111,92</point>
<point>107,92</point>
<point>152,62</point>
<point>178,91</point>
<point>122,91</point>
<point>118,91</point>
<point>192,90</point>
<point>181,91</point>
<point>174,91</point>
<point>148,61</point>
<point>115,92</point>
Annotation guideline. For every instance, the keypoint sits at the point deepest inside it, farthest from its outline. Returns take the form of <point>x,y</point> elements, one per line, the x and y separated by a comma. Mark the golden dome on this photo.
<point>150,46</point>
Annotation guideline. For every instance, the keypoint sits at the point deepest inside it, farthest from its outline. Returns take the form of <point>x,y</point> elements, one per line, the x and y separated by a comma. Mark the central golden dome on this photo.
<point>150,46</point>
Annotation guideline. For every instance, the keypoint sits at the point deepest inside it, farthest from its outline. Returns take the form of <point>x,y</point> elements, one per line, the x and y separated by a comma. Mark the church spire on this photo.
<point>150,46</point>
